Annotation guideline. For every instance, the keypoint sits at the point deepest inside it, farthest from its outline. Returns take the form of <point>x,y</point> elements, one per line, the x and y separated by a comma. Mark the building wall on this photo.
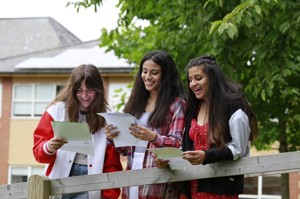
<point>21,142</point>
<point>295,188</point>
<point>5,128</point>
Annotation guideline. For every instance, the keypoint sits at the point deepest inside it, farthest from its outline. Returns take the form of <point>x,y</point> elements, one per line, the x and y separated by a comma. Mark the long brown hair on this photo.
<point>223,96</point>
<point>93,80</point>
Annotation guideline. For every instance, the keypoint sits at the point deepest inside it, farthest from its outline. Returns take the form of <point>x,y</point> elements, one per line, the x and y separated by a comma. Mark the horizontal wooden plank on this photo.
<point>250,166</point>
<point>14,191</point>
<point>254,166</point>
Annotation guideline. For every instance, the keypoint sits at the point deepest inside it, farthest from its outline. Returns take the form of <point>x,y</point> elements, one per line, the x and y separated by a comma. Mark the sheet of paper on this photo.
<point>77,134</point>
<point>173,155</point>
<point>123,121</point>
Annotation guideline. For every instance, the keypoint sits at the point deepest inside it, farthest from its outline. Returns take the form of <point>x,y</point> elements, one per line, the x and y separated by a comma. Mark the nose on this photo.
<point>193,83</point>
<point>148,76</point>
<point>84,95</point>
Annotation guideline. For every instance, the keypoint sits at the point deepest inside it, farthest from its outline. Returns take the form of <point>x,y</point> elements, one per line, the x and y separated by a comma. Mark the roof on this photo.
<point>27,35</point>
<point>43,46</point>
<point>63,60</point>
<point>74,57</point>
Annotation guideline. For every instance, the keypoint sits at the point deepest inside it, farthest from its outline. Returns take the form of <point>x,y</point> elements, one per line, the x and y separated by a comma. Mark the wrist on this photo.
<point>155,138</point>
<point>47,149</point>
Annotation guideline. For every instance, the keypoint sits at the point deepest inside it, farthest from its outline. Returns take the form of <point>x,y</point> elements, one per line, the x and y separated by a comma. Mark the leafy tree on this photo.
<point>256,41</point>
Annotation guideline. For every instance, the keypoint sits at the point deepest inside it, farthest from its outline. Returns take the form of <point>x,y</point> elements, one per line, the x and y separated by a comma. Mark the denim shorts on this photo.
<point>77,170</point>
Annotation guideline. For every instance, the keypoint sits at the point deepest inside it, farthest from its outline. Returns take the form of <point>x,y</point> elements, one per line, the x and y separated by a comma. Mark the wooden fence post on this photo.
<point>38,187</point>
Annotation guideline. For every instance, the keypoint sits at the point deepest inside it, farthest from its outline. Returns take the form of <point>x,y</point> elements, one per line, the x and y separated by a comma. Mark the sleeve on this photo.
<point>41,135</point>
<point>217,154</point>
<point>240,134</point>
<point>175,127</point>
<point>239,145</point>
<point>112,163</point>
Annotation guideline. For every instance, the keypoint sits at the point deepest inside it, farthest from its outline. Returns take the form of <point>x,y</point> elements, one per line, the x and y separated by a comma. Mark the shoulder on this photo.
<point>179,102</point>
<point>57,110</point>
<point>178,106</point>
<point>234,106</point>
<point>237,110</point>
<point>56,106</point>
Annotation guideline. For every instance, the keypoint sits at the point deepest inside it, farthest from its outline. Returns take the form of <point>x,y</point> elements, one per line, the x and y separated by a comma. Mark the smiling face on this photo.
<point>85,96</point>
<point>151,75</point>
<point>198,82</point>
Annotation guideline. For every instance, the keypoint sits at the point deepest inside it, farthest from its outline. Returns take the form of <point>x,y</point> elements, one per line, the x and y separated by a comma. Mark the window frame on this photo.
<point>259,194</point>
<point>32,101</point>
<point>30,170</point>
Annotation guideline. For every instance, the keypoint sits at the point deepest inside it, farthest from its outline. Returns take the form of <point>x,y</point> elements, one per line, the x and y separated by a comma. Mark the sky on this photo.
<point>86,24</point>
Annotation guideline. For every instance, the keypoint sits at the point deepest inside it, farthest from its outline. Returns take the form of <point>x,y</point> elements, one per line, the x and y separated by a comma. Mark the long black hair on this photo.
<point>170,88</point>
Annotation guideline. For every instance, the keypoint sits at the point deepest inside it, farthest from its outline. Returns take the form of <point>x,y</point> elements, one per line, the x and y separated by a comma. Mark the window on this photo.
<point>21,173</point>
<point>30,100</point>
<point>262,187</point>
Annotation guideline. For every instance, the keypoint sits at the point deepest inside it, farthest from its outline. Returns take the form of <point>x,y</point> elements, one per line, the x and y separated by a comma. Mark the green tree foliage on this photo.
<point>256,41</point>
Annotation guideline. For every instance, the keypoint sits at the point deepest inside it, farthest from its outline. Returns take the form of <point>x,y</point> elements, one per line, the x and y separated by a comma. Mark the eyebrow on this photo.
<point>152,69</point>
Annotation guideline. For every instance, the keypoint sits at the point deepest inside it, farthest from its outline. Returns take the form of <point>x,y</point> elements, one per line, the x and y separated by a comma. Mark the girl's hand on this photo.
<point>194,157</point>
<point>111,131</point>
<point>56,143</point>
<point>160,163</point>
<point>142,133</point>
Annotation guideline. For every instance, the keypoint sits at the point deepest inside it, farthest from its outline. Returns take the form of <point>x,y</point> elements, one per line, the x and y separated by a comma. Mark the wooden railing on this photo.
<point>39,187</point>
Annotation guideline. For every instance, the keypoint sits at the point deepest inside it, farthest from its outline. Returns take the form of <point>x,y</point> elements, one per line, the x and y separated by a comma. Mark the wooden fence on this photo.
<point>39,187</point>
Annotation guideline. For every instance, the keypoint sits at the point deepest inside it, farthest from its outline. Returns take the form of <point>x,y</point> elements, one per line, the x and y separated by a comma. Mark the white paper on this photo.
<point>173,155</point>
<point>123,121</point>
<point>77,134</point>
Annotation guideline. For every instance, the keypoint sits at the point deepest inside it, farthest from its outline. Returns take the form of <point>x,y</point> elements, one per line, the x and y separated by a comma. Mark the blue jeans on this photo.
<point>77,170</point>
